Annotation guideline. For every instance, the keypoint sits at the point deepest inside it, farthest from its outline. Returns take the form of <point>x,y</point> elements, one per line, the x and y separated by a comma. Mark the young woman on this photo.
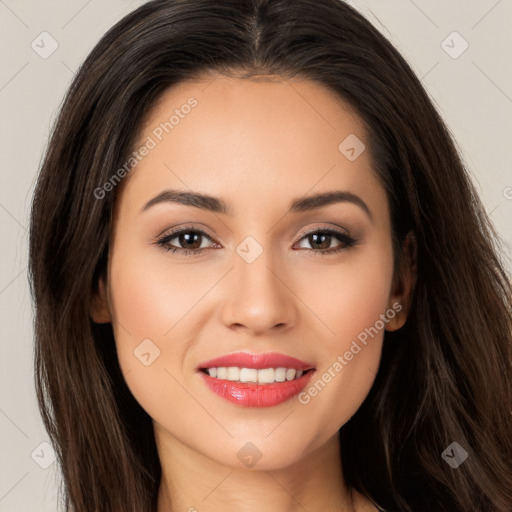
<point>262,277</point>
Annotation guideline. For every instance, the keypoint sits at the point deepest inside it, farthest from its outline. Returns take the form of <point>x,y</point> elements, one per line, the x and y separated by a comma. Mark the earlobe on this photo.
<point>403,284</point>
<point>99,311</point>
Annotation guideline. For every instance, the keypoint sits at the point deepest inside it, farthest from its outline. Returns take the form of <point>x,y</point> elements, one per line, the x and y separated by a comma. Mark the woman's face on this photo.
<point>260,276</point>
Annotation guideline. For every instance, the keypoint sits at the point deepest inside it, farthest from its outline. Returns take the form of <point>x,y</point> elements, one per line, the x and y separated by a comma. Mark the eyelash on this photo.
<point>347,241</point>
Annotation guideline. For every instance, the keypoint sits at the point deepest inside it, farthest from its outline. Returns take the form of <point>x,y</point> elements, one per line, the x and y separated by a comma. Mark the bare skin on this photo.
<point>258,145</point>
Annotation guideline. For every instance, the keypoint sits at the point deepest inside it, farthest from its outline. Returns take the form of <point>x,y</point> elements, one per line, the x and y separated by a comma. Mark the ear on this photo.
<point>403,283</point>
<point>100,311</point>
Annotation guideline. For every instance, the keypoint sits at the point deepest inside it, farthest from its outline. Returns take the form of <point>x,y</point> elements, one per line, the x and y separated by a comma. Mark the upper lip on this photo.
<point>257,361</point>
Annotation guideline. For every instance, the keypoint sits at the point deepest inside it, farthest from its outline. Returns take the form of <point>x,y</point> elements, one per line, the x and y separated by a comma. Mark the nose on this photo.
<point>258,297</point>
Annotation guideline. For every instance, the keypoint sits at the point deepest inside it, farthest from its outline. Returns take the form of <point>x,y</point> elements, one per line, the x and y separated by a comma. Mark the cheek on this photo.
<point>158,310</point>
<point>350,297</point>
<point>150,309</point>
<point>357,295</point>
<point>150,297</point>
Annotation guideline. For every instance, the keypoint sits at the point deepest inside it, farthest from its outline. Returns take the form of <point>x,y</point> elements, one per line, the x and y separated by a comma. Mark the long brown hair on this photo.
<point>444,377</point>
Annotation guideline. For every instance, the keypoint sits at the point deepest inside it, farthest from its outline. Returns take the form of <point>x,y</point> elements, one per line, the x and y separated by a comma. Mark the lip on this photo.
<point>257,361</point>
<point>250,394</point>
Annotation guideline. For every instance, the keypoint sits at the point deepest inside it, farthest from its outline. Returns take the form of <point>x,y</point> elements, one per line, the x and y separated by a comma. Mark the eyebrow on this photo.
<point>217,205</point>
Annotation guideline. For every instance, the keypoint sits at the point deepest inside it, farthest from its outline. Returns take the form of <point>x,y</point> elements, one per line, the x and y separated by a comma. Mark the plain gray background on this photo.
<point>470,86</point>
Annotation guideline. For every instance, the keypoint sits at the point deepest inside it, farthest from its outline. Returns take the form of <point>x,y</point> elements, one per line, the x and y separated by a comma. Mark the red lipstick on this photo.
<point>254,394</point>
<point>259,361</point>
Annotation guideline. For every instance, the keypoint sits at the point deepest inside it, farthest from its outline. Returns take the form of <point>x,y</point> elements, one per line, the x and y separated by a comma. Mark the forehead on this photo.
<point>257,101</point>
<point>226,135</point>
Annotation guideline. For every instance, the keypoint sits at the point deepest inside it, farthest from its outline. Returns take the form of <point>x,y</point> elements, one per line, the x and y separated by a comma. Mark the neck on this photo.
<point>192,482</point>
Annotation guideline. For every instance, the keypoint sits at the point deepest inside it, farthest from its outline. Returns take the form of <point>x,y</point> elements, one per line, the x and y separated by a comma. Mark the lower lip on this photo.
<point>250,394</point>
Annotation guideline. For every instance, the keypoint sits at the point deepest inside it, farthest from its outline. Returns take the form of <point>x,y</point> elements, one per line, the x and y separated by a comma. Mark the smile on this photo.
<point>264,376</point>
<point>256,380</point>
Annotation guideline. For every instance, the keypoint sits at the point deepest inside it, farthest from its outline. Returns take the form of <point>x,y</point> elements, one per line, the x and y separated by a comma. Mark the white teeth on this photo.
<point>263,376</point>
<point>233,373</point>
<point>248,375</point>
<point>280,374</point>
<point>266,376</point>
<point>290,374</point>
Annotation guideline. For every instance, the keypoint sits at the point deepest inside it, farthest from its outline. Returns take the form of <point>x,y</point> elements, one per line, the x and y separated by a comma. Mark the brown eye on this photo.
<point>321,240</point>
<point>188,241</point>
